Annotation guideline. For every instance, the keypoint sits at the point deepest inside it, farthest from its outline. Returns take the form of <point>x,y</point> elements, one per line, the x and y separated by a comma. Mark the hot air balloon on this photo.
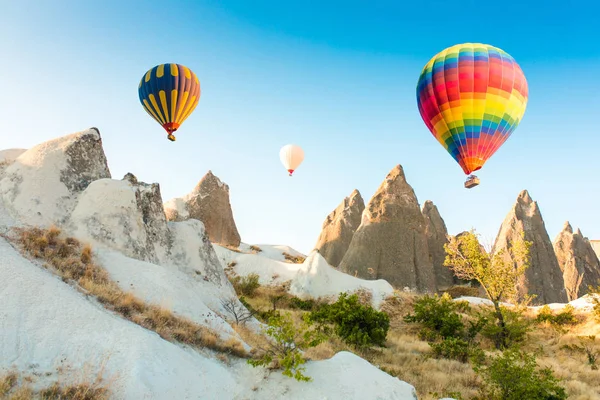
<point>169,93</point>
<point>472,97</point>
<point>291,157</point>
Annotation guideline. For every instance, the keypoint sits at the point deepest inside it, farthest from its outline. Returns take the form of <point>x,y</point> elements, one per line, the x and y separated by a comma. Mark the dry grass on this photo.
<point>408,358</point>
<point>7,382</point>
<point>293,259</point>
<point>16,386</point>
<point>255,249</point>
<point>228,247</point>
<point>579,379</point>
<point>71,260</point>
<point>458,291</point>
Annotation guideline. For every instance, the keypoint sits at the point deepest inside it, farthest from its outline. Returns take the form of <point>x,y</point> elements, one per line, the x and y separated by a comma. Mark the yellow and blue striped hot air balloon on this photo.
<point>169,93</point>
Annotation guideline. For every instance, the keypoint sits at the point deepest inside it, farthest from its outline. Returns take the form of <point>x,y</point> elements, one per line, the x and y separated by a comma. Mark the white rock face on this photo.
<point>107,213</point>
<point>316,279</point>
<point>345,376</point>
<point>43,321</point>
<point>192,251</point>
<point>41,186</point>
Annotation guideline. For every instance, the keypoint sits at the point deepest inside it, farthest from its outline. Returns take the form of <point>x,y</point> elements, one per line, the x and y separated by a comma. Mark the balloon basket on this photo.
<point>471,182</point>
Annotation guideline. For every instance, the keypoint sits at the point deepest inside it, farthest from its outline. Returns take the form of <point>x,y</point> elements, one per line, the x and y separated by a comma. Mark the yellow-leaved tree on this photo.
<point>497,274</point>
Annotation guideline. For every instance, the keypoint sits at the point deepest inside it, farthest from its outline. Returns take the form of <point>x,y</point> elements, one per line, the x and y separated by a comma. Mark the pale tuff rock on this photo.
<point>339,227</point>
<point>41,185</point>
<point>544,277</point>
<point>437,237</point>
<point>125,216</point>
<point>577,260</point>
<point>390,242</point>
<point>128,216</point>
<point>209,203</point>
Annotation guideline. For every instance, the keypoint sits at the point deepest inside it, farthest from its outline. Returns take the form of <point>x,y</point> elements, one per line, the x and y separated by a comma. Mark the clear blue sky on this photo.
<point>337,78</point>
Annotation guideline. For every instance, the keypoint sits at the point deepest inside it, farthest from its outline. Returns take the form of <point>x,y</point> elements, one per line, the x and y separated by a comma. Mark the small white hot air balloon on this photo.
<point>291,157</point>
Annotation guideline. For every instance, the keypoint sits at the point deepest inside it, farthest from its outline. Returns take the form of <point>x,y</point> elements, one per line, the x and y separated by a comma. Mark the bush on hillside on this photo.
<point>284,351</point>
<point>444,328</point>
<point>355,323</point>
<point>245,285</point>
<point>304,305</point>
<point>456,349</point>
<point>439,316</point>
<point>565,317</point>
<point>514,375</point>
<point>514,330</point>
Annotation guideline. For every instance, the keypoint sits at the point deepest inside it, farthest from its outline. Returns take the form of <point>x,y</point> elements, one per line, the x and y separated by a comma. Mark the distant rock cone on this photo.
<point>339,227</point>
<point>544,277</point>
<point>577,260</point>
<point>390,242</point>
<point>437,237</point>
<point>209,203</point>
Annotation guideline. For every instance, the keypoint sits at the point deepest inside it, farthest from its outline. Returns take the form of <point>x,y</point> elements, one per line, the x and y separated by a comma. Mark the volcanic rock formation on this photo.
<point>339,227</point>
<point>437,237</point>
<point>577,260</point>
<point>209,203</point>
<point>390,242</point>
<point>544,277</point>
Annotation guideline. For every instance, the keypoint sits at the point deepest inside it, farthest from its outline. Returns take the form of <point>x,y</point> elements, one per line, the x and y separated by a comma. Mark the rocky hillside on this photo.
<point>391,242</point>
<point>339,227</point>
<point>143,273</point>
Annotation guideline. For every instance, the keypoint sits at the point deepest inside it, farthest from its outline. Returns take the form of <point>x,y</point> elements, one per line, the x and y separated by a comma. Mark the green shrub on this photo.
<point>246,285</point>
<point>439,316</point>
<point>565,317</point>
<point>284,351</point>
<point>304,305</point>
<point>515,330</point>
<point>514,375</point>
<point>456,349</point>
<point>357,324</point>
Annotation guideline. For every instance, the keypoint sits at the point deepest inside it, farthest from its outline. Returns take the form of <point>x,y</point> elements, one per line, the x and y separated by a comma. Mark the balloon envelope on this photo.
<point>169,93</point>
<point>291,157</point>
<point>472,96</point>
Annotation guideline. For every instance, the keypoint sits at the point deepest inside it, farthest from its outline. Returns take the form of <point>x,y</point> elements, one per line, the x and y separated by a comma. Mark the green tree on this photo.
<point>284,350</point>
<point>496,275</point>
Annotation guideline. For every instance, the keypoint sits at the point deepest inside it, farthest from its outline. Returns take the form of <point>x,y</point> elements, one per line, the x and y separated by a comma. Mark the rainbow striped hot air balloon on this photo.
<point>169,93</point>
<point>472,96</point>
